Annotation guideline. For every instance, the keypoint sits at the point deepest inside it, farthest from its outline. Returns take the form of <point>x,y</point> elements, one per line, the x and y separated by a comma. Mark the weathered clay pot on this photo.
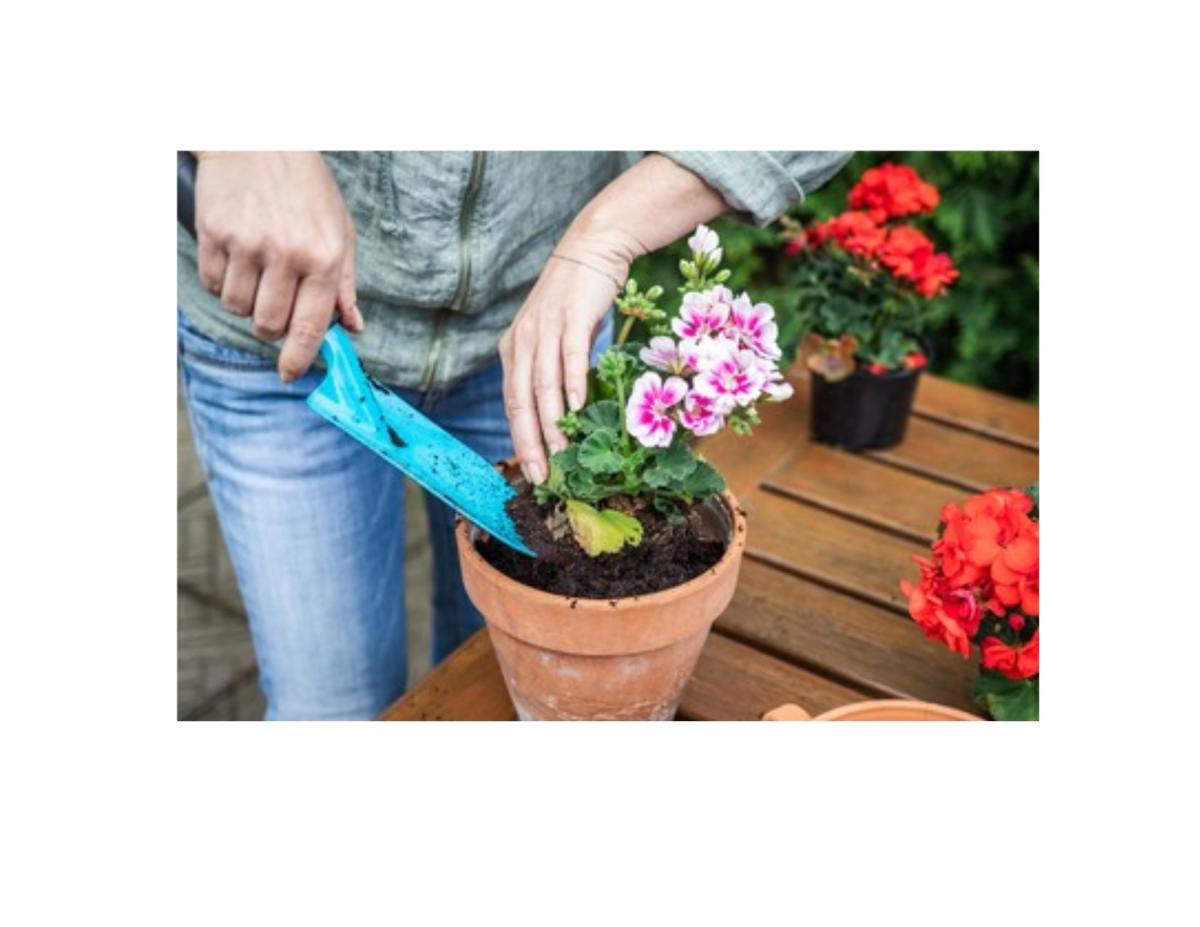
<point>629,659</point>
<point>881,710</point>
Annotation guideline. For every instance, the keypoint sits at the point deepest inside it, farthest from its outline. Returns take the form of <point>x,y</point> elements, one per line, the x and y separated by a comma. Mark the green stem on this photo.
<point>621,408</point>
<point>625,329</point>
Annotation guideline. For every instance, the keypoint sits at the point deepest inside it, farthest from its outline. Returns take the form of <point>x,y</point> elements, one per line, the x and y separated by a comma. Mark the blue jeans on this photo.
<point>314,525</point>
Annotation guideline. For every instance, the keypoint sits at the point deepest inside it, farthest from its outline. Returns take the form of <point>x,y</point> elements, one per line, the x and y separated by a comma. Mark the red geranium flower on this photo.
<point>1018,662</point>
<point>905,252</point>
<point>893,190</point>
<point>937,273</point>
<point>985,563</point>
<point>856,232</point>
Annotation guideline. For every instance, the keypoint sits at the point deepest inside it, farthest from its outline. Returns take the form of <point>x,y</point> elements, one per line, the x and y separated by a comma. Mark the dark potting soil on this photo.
<point>669,555</point>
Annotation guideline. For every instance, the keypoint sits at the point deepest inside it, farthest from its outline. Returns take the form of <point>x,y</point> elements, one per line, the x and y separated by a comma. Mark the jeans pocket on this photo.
<point>197,348</point>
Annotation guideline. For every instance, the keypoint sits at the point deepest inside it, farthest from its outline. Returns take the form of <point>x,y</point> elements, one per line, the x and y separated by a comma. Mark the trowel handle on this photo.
<point>347,376</point>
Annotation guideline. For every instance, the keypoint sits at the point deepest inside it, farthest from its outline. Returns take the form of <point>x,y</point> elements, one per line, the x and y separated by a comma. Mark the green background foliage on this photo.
<point>986,332</point>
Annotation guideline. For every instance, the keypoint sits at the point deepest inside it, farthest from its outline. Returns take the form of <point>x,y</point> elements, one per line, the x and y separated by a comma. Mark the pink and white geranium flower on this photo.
<point>730,378</point>
<point>703,314</point>
<point>648,412</point>
<point>753,327</point>
<point>699,415</point>
<point>705,241</point>
<point>663,353</point>
<point>776,387</point>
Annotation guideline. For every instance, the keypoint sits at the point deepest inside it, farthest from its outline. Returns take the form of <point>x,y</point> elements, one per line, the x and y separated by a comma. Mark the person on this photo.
<point>475,284</point>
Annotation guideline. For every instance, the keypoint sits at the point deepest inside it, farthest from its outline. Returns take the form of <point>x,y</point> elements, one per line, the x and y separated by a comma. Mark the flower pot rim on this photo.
<point>737,541</point>
<point>893,706</point>
<point>860,372</point>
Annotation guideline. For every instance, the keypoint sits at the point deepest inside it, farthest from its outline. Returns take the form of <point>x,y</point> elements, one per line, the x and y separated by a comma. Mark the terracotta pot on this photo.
<point>567,659</point>
<point>880,710</point>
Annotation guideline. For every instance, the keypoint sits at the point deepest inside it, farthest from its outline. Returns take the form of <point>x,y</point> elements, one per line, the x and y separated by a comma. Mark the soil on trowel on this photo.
<point>670,554</point>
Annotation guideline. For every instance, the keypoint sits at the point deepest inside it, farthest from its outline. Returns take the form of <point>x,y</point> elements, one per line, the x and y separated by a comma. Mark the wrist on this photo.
<point>602,242</point>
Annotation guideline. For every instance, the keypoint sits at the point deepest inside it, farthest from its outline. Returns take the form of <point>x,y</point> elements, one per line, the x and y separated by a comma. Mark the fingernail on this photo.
<point>536,475</point>
<point>286,377</point>
<point>574,401</point>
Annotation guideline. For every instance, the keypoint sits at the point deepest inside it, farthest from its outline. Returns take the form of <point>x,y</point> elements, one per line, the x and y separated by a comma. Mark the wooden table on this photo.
<point>818,617</point>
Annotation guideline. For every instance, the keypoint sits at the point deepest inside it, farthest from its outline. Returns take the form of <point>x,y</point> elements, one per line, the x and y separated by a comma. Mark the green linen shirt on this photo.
<point>450,243</point>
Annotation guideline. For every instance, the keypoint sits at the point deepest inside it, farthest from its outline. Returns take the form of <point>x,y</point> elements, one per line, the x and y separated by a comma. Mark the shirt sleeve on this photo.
<point>762,184</point>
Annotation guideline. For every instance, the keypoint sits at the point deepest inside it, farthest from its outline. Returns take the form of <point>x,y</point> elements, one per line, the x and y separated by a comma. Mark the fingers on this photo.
<point>315,298</point>
<point>273,304</point>
<point>347,293</point>
<point>517,356</point>
<point>576,352</point>
<point>547,383</point>
<point>211,263</point>
<point>240,284</point>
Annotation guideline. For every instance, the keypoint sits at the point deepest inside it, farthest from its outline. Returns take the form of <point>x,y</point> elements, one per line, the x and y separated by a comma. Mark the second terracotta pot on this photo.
<point>889,709</point>
<point>569,659</point>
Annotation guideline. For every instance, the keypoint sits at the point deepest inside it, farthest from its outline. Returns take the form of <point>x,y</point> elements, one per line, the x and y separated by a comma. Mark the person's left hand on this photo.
<point>545,351</point>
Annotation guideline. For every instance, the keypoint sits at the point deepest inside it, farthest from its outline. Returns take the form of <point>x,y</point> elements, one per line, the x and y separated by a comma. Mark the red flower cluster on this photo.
<point>981,585</point>
<point>905,251</point>
<point>883,193</point>
<point>909,255</point>
<point>855,232</point>
<point>890,191</point>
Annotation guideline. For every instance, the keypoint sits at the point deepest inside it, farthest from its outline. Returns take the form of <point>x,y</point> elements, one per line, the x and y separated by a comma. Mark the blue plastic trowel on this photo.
<point>375,416</point>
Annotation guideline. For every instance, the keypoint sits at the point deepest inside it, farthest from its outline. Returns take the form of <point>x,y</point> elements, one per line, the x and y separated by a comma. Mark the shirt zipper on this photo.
<point>464,268</point>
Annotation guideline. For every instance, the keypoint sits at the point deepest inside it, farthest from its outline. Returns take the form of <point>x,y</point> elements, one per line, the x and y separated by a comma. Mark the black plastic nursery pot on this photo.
<point>863,411</point>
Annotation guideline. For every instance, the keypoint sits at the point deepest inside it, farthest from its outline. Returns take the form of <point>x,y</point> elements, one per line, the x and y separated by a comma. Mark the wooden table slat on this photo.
<point>832,550</point>
<point>735,682</point>
<point>466,686</point>
<point>978,410</point>
<point>960,458</point>
<point>744,460</point>
<point>899,501</point>
<point>864,646</point>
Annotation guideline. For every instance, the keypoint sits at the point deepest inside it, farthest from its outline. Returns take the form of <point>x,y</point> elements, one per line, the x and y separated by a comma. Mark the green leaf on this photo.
<point>1032,492</point>
<point>667,506</point>
<point>669,468</point>
<point>703,481</point>
<point>601,414</point>
<point>581,485</point>
<point>599,452</point>
<point>1007,699</point>
<point>602,532</point>
<point>675,462</point>
<point>555,484</point>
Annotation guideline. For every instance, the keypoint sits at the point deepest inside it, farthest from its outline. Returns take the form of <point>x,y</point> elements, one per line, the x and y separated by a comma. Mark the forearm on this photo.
<point>650,205</point>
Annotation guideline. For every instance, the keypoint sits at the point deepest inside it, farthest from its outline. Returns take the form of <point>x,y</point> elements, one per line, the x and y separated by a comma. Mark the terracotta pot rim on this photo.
<point>737,541</point>
<point>895,704</point>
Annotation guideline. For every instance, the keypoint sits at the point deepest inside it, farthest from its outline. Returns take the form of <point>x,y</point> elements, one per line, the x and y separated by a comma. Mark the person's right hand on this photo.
<point>276,243</point>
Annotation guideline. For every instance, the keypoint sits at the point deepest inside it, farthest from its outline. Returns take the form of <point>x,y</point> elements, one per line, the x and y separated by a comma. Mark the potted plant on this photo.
<point>868,285</point>
<point>980,586</point>
<point>638,541</point>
